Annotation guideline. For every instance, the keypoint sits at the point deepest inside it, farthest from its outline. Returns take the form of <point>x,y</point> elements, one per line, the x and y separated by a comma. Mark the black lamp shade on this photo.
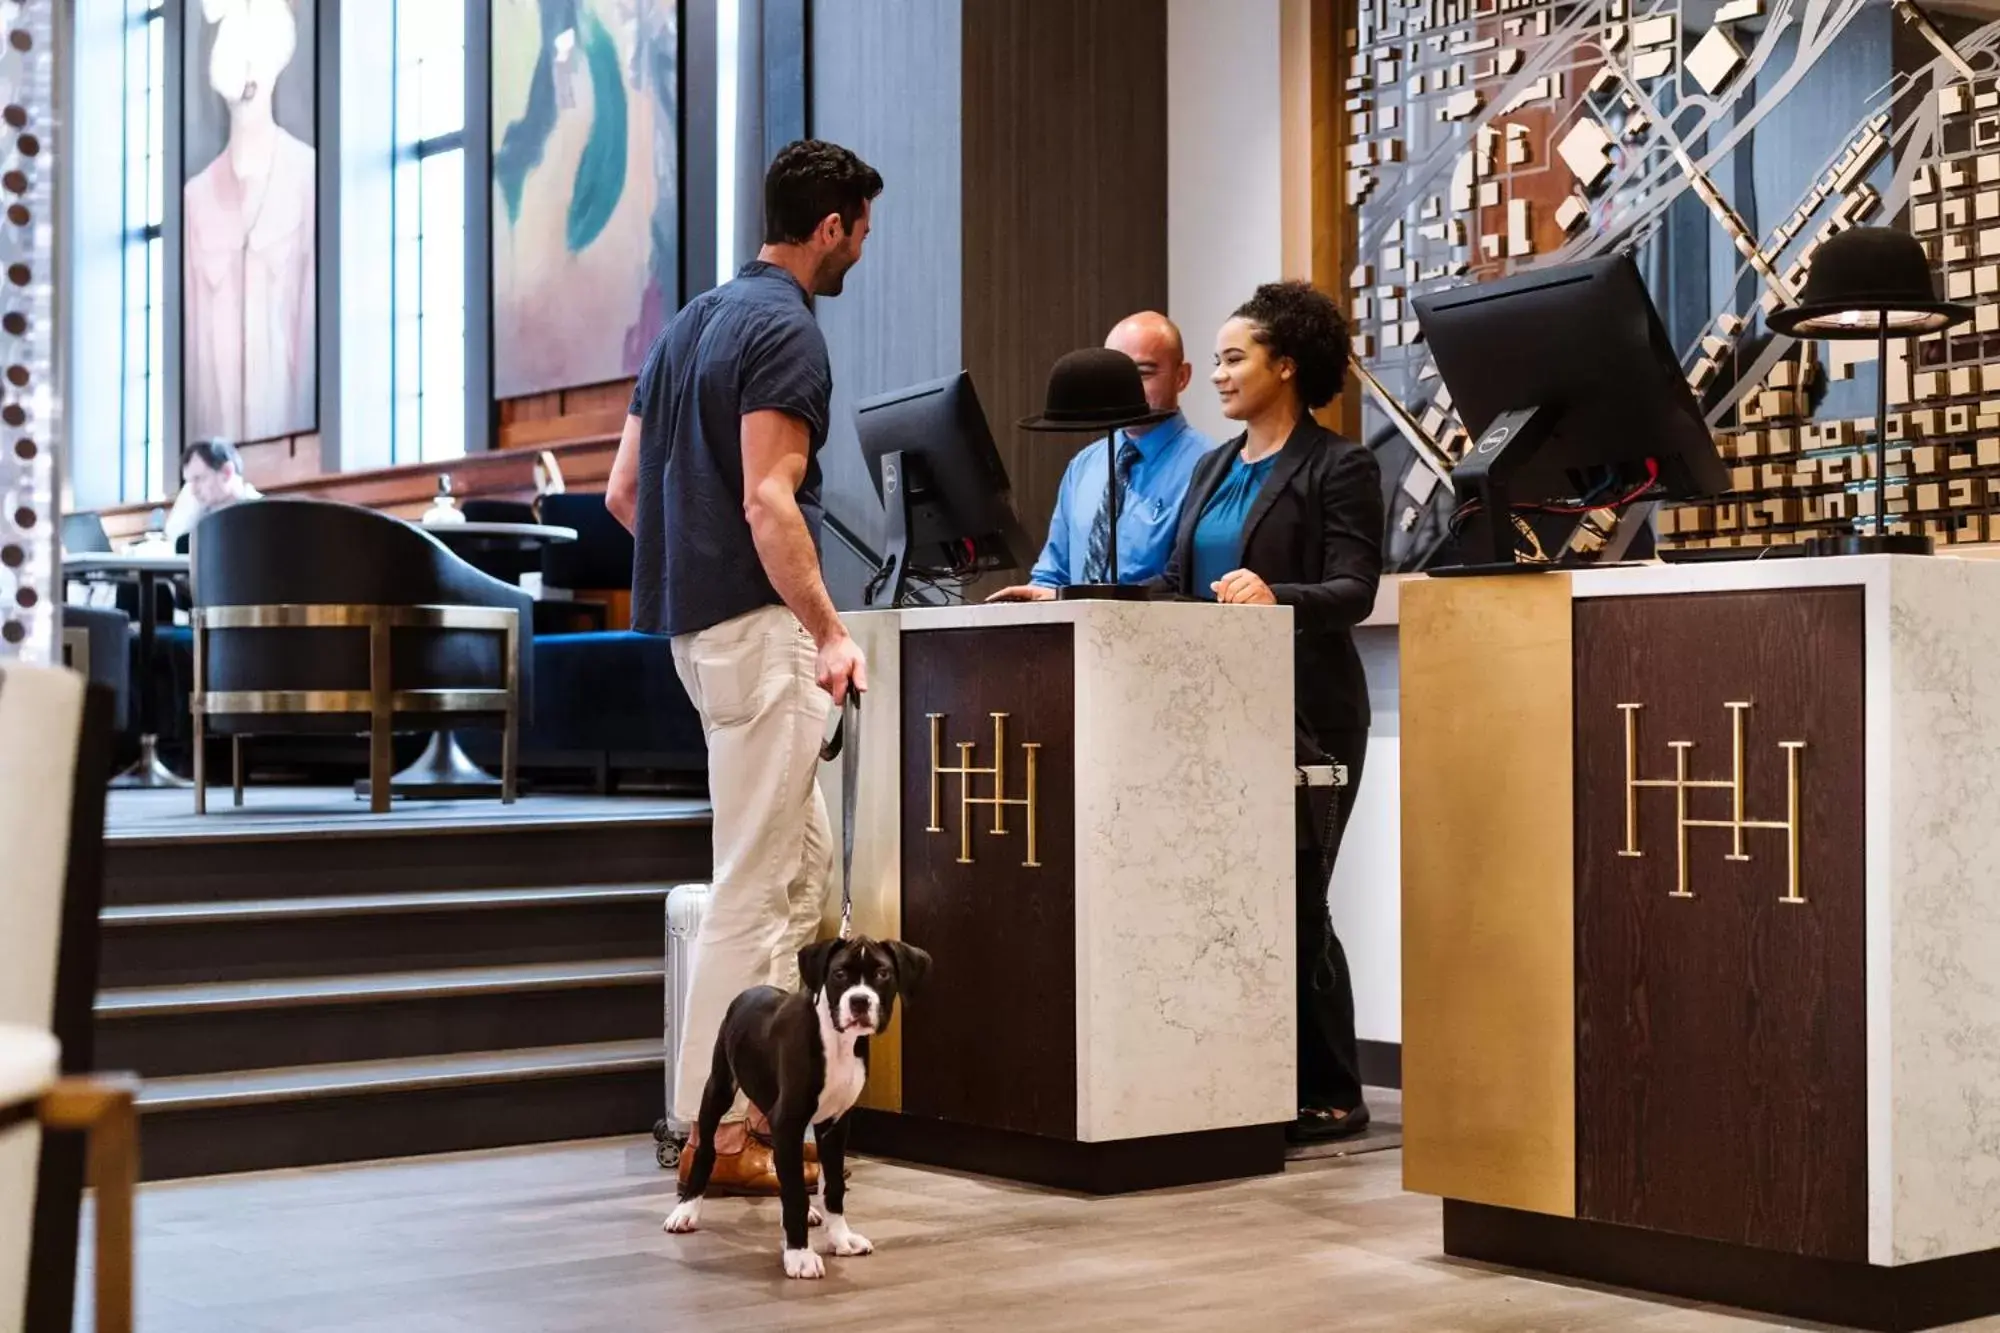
<point>1094,389</point>
<point>1866,278</point>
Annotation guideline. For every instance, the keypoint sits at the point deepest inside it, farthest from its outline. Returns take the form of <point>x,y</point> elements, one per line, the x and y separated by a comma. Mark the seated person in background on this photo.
<point>1290,514</point>
<point>1155,465</point>
<point>211,479</point>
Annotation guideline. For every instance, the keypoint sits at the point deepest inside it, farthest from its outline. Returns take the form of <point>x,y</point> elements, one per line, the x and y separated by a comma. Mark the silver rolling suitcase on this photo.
<point>687,904</point>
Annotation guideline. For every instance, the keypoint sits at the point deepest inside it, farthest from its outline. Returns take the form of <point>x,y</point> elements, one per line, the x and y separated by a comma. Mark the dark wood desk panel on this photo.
<point>993,1042</point>
<point>1721,1038</point>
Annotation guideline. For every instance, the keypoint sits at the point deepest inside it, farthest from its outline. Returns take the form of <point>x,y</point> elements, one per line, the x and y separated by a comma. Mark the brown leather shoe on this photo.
<point>750,1172</point>
<point>761,1134</point>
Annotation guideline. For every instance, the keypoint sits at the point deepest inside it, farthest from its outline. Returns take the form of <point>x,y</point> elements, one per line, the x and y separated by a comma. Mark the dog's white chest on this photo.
<point>844,1076</point>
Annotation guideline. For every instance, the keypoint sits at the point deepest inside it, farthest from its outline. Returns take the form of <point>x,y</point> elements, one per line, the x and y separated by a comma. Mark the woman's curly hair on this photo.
<point>1297,320</point>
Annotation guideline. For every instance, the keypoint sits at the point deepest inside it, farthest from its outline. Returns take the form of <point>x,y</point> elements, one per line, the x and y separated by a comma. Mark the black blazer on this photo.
<point>1314,534</point>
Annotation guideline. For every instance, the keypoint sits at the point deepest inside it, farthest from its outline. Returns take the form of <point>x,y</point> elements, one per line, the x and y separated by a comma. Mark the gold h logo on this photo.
<point>965,771</point>
<point>1682,784</point>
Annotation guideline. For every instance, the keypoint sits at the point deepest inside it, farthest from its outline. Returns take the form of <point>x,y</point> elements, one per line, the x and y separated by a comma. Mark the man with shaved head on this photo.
<point>1154,465</point>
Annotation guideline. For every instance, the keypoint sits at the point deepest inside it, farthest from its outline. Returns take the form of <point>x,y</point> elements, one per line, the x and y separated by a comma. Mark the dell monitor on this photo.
<point>1572,395</point>
<point>942,485</point>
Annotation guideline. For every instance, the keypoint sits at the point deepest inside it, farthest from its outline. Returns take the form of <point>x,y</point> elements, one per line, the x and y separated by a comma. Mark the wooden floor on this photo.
<point>566,1238</point>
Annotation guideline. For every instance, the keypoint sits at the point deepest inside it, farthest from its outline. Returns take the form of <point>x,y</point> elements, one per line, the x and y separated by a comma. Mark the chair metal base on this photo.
<point>441,773</point>
<point>148,773</point>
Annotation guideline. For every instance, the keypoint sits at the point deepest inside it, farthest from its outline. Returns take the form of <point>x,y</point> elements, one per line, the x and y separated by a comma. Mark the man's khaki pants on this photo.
<point>752,681</point>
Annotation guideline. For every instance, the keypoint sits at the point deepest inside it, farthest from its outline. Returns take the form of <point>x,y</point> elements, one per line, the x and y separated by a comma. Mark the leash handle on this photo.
<point>845,745</point>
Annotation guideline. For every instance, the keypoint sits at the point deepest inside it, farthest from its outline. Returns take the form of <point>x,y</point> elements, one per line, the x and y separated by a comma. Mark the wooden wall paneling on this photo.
<point>1318,225</point>
<point>993,1043</point>
<point>1064,204</point>
<point>595,398</point>
<point>574,428</point>
<point>1721,1039</point>
<point>1489,1003</point>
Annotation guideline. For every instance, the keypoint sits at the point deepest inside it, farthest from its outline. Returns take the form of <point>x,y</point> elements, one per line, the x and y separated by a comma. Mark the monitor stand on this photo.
<point>1507,445</point>
<point>892,577</point>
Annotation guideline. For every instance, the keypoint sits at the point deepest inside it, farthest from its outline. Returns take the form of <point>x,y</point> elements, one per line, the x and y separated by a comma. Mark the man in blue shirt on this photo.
<point>1155,464</point>
<point>717,476</point>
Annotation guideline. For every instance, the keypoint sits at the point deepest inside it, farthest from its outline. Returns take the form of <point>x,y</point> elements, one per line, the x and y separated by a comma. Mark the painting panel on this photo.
<point>586,225</point>
<point>250,200</point>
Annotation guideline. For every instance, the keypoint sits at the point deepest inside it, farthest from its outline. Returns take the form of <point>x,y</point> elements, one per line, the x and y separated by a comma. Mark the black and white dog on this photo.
<point>801,1058</point>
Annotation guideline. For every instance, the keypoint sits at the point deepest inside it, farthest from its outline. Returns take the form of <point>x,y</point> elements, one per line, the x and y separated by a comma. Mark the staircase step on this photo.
<point>222,859</point>
<point>160,1031</point>
<point>374,904</point>
<point>357,1077</point>
<point>158,944</point>
<point>311,1114</point>
<point>231,997</point>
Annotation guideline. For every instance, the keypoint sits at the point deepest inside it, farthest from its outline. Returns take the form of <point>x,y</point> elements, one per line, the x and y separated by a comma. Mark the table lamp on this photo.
<point>1869,282</point>
<point>1097,390</point>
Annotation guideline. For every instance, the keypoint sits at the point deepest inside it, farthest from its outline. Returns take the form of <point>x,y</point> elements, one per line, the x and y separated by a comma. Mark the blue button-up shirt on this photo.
<point>1146,521</point>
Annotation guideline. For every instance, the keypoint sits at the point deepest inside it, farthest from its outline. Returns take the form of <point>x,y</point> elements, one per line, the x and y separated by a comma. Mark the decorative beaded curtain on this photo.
<point>30,574</point>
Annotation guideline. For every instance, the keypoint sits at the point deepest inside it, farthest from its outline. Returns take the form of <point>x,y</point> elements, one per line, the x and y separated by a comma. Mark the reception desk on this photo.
<point>1701,929</point>
<point>1084,811</point>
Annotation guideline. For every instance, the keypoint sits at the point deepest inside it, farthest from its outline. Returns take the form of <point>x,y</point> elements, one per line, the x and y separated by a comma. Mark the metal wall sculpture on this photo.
<point>1723,143</point>
<point>30,431</point>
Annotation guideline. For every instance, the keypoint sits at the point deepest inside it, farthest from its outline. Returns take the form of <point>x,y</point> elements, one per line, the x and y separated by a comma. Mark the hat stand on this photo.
<point>1881,541</point>
<point>1113,591</point>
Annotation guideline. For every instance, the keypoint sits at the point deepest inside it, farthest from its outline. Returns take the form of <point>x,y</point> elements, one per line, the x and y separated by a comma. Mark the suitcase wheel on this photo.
<point>668,1144</point>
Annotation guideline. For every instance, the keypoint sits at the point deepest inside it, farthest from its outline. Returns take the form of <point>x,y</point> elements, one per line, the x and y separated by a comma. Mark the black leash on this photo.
<point>845,745</point>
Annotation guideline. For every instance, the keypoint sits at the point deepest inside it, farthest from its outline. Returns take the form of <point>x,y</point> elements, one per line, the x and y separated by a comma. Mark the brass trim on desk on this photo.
<point>1489,873</point>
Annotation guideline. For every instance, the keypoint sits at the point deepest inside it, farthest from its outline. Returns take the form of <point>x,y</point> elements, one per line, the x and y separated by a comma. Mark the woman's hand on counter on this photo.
<point>1243,588</point>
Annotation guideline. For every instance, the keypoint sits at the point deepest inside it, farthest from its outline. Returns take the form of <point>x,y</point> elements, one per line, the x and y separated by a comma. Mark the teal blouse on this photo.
<point>1218,533</point>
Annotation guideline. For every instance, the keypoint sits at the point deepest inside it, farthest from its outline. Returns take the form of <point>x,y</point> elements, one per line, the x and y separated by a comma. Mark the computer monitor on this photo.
<point>941,482</point>
<point>1569,388</point>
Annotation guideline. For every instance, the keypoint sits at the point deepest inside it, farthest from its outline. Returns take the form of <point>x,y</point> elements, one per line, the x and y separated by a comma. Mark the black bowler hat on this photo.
<point>1862,279</point>
<point>1094,389</point>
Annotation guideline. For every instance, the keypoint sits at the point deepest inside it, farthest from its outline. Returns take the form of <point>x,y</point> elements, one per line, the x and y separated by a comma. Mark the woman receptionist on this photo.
<point>1291,514</point>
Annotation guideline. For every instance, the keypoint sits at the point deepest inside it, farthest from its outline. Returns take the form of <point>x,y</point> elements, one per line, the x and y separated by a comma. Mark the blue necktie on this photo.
<point>1098,561</point>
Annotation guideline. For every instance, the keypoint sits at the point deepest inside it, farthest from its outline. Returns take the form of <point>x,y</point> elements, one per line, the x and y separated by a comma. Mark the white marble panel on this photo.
<point>1185,866</point>
<point>1940,1072</point>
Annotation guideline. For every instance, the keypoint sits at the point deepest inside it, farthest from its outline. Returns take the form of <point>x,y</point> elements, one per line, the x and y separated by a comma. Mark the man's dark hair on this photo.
<point>1297,320</point>
<point>217,454</point>
<point>809,179</point>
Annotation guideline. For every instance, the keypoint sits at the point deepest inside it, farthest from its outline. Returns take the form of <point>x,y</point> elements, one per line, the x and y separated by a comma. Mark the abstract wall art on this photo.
<point>250,272</point>
<point>586,198</point>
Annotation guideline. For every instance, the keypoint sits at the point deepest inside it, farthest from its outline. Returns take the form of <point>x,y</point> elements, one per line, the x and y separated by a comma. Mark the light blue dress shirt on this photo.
<point>1146,522</point>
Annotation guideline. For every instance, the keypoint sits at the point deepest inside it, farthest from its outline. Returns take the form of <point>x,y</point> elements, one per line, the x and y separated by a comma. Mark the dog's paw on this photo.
<point>804,1264</point>
<point>685,1217</point>
<point>813,1218</point>
<point>846,1242</point>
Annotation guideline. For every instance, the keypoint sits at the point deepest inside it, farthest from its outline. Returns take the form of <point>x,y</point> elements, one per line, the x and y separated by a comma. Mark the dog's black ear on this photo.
<point>813,962</point>
<point>912,965</point>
